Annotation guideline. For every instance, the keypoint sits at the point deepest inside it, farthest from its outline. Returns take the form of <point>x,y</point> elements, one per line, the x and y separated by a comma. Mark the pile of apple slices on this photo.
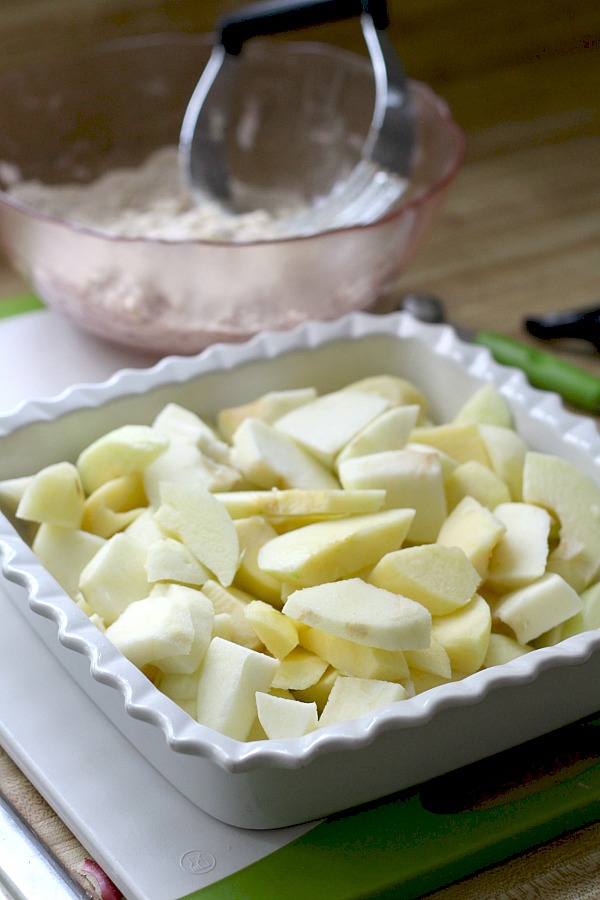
<point>309,558</point>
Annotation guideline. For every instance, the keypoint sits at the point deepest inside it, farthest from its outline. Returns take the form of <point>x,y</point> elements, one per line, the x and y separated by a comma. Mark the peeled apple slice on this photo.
<point>194,516</point>
<point>351,698</point>
<point>326,424</point>
<point>465,635</point>
<point>536,608</point>
<point>123,451</point>
<point>439,577</point>
<point>283,718</point>
<point>230,677</point>
<point>574,499</point>
<point>328,551</point>
<point>54,495</point>
<point>272,459</point>
<point>361,612</point>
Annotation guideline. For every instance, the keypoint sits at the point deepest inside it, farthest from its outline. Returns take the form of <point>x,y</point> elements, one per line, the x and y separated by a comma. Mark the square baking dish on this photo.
<point>276,783</point>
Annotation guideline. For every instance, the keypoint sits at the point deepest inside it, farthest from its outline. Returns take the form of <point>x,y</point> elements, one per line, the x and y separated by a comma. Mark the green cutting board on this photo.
<point>430,836</point>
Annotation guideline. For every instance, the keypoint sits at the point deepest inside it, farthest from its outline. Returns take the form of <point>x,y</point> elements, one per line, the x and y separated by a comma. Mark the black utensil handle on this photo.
<point>279,16</point>
<point>580,324</point>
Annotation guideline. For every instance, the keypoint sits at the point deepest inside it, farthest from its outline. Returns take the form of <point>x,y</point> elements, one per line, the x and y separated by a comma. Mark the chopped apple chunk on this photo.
<point>440,578</point>
<point>299,670</point>
<point>465,635</point>
<point>351,698</point>
<point>277,632</point>
<point>270,458</point>
<point>54,495</point>
<point>284,718</point>
<point>411,479</point>
<point>352,658</point>
<point>486,406</point>
<point>574,499</point>
<point>115,577</point>
<point>268,408</point>
<point>195,517</point>
<point>230,678</point>
<point>326,424</point>
<point>537,607</point>
<point>125,450</point>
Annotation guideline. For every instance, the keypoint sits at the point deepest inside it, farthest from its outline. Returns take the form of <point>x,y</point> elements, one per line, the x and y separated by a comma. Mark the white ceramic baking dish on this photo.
<point>277,783</point>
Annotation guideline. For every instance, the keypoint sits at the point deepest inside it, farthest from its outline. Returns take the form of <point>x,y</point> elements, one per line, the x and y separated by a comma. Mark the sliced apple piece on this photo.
<point>269,407</point>
<point>65,552</point>
<point>114,505</point>
<point>574,499</point>
<point>549,638</point>
<point>123,451</point>
<point>588,618</point>
<point>194,516</point>
<point>270,458</point>
<point>486,406</point>
<point>460,440</point>
<point>277,632</point>
<point>11,492</point>
<point>433,659</point>
<point>521,554</point>
<point>398,391</point>
<point>253,533</point>
<point>424,681</point>
<point>184,462</point>
<point>319,692</point>
<point>177,421</point>
<point>145,529</point>
<point>152,628</point>
<point>54,495</point>
<point>410,478</point>
<point>351,658</point>
<point>202,616</point>
<point>388,431</point>
<point>181,689</point>
<point>502,648</point>
<point>447,464</point>
<point>299,670</point>
<point>472,527</point>
<point>115,577</point>
<point>229,679</point>
<point>296,503</point>
<point>169,560</point>
<point>351,698</point>
<point>440,578</point>
<point>472,479</point>
<point>326,424</point>
<point>283,718</point>
<point>233,602</point>
<point>328,551</point>
<point>506,450</point>
<point>537,607</point>
<point>465,635</point>
<point>361,612</point>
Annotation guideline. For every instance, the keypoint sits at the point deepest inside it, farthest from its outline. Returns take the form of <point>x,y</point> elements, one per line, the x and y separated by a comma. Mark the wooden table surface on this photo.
<point>520,232</point>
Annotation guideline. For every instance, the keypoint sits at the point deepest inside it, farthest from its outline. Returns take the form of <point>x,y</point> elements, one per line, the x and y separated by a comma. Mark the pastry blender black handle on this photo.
<point>279,16</point>
<point>577,324</point>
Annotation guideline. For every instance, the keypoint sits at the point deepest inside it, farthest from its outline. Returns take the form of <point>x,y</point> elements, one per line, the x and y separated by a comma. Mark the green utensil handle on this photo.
<point>14,306</point>
<point>545,371</point>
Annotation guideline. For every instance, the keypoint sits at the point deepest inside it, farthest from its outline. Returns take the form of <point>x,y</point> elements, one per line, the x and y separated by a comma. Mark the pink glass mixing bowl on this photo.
<point>73,120</point>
